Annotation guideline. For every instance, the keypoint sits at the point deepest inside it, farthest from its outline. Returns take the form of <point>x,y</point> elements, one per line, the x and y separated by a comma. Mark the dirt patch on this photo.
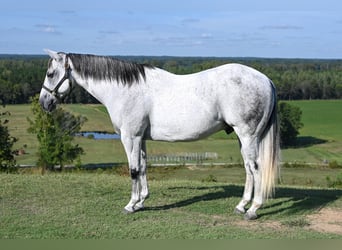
<point>327,220</point>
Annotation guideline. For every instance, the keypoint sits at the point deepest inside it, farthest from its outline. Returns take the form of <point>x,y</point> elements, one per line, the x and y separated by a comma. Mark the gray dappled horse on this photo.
<point>148,103</point>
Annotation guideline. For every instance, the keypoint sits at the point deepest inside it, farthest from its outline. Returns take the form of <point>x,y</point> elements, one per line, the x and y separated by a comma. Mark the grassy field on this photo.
<point>320,138</point>
<point>89,206</point>
<point>187,202</point>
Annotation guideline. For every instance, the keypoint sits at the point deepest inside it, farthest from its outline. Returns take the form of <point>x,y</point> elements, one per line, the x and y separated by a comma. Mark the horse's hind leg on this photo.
<point>248,190</point>
<point>249,149</point>
<point>257,199</point>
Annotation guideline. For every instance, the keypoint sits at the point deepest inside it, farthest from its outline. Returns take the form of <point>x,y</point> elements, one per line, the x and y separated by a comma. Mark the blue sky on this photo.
<point>229,28</point>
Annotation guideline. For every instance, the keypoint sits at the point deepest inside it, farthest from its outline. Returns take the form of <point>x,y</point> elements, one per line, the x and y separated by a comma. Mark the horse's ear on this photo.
<point>53,54</point>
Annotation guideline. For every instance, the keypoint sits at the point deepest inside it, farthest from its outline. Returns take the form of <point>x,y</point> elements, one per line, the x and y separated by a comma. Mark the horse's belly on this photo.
<point>184,127</point>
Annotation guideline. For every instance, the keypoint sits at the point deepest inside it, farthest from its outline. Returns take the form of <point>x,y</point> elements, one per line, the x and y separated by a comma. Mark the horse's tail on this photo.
<point>269,152</point>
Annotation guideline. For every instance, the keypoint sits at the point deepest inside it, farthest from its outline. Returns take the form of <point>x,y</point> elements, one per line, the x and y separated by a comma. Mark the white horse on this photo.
<point>148,103</point>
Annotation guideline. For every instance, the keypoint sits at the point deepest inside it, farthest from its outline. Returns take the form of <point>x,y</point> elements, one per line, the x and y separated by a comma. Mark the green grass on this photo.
<point>320,138</point>
<point>321,134</point>
<point>322,119</point>
<point>186,202</point>
<point>89,206</point>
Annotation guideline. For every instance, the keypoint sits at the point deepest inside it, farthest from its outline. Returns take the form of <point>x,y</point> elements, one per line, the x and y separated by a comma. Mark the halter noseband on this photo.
<point>54,91</point>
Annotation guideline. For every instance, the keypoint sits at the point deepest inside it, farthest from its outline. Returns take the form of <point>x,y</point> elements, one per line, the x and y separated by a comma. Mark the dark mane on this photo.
<point>108,68</point>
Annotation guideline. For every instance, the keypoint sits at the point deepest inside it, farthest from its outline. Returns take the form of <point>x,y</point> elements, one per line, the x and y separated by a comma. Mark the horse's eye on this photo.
<point>50,75</point>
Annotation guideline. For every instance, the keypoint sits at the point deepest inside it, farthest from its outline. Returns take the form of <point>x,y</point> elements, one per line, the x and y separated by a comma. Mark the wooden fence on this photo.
<point>183,157</point>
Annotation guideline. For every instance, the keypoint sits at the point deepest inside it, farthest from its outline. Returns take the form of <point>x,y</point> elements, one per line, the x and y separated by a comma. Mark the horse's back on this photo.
<point>240,93</point>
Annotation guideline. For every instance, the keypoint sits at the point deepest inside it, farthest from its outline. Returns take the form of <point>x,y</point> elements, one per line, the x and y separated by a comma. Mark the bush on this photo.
<point>7,161</point>
<point>55,132</point>
<point>290,123</point>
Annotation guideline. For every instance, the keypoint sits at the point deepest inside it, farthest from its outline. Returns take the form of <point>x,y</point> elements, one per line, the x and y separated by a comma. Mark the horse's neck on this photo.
<point>101,90</point>
<point>109,92</point>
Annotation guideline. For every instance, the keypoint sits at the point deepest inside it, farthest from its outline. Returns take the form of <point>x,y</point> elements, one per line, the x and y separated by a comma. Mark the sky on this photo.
<point>220,28</point>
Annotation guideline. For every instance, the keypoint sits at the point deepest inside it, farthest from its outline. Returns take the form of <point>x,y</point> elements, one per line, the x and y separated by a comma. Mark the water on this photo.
<point>99,135</point>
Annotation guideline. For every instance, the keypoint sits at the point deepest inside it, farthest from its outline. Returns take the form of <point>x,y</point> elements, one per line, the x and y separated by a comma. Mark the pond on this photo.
<point>99,135</point>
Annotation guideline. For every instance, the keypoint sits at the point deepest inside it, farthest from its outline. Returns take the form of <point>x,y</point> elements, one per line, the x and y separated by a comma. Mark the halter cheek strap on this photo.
<point>66,76</point>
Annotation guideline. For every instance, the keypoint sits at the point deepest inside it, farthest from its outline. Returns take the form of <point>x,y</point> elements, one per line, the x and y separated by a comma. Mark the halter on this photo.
<point>54,91</point>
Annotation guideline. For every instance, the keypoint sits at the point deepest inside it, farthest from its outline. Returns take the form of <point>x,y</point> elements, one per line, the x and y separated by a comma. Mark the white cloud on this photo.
<point>206,35</point>
<point>109,32</point>
<point>281,27</point>
<point>47,28</point>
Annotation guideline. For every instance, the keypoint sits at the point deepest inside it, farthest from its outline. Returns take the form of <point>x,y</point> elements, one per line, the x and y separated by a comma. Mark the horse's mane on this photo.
<point>108,68</point>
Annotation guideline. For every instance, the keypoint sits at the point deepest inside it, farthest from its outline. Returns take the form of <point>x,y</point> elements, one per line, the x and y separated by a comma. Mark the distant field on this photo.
<point>321,136</point>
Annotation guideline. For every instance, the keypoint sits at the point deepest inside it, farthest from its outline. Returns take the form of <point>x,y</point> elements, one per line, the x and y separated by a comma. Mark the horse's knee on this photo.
<point>134,173</point>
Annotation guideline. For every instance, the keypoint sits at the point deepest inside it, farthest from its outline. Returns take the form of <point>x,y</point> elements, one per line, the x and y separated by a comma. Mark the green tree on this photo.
<point>290,123</point>
<point>7,161</point>
<point>55,132</point>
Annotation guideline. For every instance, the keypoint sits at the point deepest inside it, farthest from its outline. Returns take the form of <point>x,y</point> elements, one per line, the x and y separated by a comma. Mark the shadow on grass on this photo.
<point>287,201</point>
<point>225,192</point>
<point>297,201</point>
<point>306,141</point>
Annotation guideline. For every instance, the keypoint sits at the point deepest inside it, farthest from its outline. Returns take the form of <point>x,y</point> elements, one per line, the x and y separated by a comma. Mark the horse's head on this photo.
<point>57,82</point>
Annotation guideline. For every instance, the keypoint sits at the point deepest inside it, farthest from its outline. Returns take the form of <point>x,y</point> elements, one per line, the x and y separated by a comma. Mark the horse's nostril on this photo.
<point>51,105</point>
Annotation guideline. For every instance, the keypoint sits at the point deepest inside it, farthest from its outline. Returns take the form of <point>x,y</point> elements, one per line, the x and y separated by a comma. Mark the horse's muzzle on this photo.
<point>48,102</point>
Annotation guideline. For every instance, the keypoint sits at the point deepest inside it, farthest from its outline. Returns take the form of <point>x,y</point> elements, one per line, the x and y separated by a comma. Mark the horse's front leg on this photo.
<point>133,147</point>
<point>142,178</point>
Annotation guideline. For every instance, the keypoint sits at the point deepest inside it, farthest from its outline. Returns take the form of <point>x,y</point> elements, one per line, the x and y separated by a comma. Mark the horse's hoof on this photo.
<point>138,208</point>
<point>251,216</point>
<point>126,211</point>
<point>238,211</point>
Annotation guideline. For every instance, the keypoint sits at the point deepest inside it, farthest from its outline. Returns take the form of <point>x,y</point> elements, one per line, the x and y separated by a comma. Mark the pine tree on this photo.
<point>55,132</point>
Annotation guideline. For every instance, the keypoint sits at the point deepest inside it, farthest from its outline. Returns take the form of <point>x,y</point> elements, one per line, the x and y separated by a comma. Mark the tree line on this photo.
<point>21,77</point>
